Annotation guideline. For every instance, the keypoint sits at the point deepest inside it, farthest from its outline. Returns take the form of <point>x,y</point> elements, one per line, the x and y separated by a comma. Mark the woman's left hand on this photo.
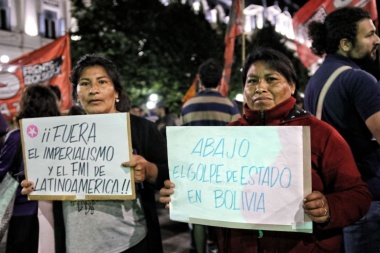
<point>143,170</point>
<point>317,207</point>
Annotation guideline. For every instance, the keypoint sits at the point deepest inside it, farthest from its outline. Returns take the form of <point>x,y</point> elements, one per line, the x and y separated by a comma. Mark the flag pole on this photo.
<point>242,3</point>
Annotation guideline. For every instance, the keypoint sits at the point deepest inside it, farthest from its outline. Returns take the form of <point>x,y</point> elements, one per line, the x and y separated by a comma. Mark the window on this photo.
<point>5,17</point>
<point>48,24</point>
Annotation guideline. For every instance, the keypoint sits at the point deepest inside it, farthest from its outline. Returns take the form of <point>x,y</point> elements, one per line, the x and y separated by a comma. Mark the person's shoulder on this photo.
<point>361,75</point>
<point>315,123</point>
<point>190,101</point>
<point>354,73</point>
<point>13,134</point>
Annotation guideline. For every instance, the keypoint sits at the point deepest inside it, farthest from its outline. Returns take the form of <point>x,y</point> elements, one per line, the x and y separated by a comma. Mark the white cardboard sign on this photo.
<point>78,157</point>
<point>241,177</point>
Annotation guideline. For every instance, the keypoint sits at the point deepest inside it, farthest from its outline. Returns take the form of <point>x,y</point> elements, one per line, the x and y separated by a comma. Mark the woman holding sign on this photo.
<point>339,197</point>
<point>112,225</point>
<point>36,101</point>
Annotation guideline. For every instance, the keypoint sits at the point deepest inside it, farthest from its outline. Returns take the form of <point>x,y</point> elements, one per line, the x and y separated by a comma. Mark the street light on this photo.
<point>239,97</point>
<point>4,58</point>
<point>152,101</point>
<point>153,97</point>
<point>150,105</point>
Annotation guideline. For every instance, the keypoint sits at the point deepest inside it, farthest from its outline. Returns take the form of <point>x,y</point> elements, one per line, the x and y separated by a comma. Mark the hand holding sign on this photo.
<point>76,157</point>
<point>143,170</point>
<point>251,177</point>
<point>165,193</point>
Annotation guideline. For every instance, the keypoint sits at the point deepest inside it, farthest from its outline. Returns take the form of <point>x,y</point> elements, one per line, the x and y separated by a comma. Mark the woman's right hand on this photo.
<point>165,192</point>
<point>27,187</point>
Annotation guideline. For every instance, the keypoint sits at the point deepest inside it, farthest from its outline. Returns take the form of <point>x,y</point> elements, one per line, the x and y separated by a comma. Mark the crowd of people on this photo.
<point>342,111</point>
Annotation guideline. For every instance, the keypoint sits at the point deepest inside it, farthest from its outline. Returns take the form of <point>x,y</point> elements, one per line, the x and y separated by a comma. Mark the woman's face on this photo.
<point>96,91</point>
<point>265,87</point>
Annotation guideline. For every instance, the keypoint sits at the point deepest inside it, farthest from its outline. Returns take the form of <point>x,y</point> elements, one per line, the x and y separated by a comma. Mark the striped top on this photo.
<point>209,108</point>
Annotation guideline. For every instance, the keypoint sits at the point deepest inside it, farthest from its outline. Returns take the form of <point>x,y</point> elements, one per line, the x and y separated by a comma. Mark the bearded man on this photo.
<point>351,104</point>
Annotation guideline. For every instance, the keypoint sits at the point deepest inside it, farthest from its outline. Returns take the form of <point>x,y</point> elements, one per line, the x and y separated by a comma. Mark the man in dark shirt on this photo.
<point>351,105</point>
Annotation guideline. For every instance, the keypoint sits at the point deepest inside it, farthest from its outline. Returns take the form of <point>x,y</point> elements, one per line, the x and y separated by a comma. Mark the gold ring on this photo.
<point>323,203</point>
<point>325,212</point>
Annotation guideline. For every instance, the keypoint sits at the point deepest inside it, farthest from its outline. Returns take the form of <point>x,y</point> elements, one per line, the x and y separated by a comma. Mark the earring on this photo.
<point>117,100</point>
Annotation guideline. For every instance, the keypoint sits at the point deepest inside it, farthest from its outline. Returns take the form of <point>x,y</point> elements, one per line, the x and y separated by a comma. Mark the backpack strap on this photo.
<point>326,87</point>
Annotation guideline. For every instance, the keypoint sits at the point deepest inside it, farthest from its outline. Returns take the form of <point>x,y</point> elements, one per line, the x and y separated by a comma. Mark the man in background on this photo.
<point>209,107</point>
<point>351,105</point>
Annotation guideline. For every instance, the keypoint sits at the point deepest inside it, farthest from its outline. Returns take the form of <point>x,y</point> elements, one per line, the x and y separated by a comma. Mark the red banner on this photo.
<point>50,64</point>
<point>318,10</point>
<point>233,30</point>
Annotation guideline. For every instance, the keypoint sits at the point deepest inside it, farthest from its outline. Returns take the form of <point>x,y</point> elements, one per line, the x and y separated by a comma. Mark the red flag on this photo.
<point>315,10</point>
<point>192,91</point>
<point>50,64</point>
<point>233,30</point>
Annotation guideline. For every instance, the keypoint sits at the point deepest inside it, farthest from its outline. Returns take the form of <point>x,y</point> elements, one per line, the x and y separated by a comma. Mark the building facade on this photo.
<point>26,25</point>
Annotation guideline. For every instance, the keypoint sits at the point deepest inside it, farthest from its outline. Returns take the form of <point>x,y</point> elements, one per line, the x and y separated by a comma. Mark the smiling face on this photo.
<point>96,91</point>
<point>265,88</point>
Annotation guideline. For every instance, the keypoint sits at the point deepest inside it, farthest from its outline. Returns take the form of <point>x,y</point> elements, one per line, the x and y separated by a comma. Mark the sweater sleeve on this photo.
<point>335,174</point>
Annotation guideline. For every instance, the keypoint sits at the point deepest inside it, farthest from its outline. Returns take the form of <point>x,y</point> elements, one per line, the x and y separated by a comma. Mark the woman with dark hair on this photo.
<point>36,101</point>
<point>129,226</point>
<point>123,103</point>
<point>339,197</point>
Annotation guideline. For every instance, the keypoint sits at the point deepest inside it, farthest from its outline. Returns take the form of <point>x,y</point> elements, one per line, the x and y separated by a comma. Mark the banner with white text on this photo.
<point>48,65</point>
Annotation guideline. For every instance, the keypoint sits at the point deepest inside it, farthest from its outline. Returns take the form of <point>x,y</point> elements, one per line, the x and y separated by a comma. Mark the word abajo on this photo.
<point>217,148</point>
<point>245,175</point>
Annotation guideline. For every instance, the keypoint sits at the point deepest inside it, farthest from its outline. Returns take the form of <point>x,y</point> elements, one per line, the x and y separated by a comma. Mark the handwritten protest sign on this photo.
<point>241,177</point>
<point>78,157</point>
